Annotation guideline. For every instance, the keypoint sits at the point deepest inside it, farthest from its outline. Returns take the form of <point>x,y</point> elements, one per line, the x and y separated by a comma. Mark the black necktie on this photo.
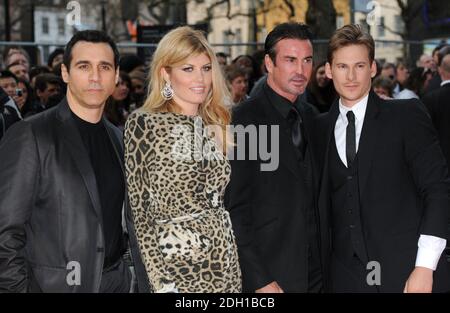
<point>295,121</point>
<point>350,140</point>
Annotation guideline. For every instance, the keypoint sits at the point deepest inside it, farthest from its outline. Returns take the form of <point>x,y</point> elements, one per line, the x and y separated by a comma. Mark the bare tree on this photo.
<point>167,11</point>
<point>413,29</point>
<point>321,18</point>
<point>20,11</point>
<point>116,24</point>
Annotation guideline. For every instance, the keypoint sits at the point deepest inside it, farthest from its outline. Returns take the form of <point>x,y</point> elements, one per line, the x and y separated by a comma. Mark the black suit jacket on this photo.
<point>437,103</point>
<point>434,84</point>
<point>403,182</point>
<point>266,206</point>
<point>50,210</point>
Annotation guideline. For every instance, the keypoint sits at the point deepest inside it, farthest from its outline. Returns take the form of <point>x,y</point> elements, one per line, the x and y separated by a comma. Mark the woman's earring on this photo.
<point>167,92</point>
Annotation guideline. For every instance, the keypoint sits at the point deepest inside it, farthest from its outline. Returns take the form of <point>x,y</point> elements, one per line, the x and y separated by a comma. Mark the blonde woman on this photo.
<point>177,171</point>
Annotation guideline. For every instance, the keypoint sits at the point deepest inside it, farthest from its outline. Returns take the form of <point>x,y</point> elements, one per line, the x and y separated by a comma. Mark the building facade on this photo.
<point>230,24</point>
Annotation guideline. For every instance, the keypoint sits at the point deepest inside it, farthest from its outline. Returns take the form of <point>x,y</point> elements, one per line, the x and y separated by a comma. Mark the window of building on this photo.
<point>339,21</point>
<point>227,35</point>
<point>61,26</point>
<point>399,25</point>
<point>238,35</point>
<point>238,39</point>
<point>381,30</point>
<point>46,52</point>
<point>45,25</point>
<point>364,25</point>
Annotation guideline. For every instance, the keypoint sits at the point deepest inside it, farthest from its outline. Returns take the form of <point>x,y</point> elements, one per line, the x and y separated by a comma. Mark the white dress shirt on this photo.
<point>430,248</point>
<point>445,82</point>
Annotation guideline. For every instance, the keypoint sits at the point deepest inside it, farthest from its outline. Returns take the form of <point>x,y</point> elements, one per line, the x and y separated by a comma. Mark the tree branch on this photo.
<point>291,7</point>
<point>209,10</point>
<point>393,31</point>
<point>401,5</point>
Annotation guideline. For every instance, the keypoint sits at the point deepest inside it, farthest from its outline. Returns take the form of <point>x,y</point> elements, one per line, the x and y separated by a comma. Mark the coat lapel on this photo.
<point>331,122</point>
<point>75,146</point>
<point>324,142</point>
<point>368,141</point>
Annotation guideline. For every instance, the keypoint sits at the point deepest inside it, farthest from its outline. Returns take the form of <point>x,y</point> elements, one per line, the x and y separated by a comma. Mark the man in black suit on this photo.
<point>384,184</point>
<point>272,206</point>
<point>62,191</point>
<point>436,80</point>
<point>437,104</point>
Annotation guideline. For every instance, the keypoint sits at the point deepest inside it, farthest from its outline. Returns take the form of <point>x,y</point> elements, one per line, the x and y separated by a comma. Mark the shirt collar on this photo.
<point>359,109</point>
<point>282,104</point>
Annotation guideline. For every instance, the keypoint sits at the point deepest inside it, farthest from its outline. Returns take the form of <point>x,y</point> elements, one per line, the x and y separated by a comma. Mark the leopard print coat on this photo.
<point>176,178</point>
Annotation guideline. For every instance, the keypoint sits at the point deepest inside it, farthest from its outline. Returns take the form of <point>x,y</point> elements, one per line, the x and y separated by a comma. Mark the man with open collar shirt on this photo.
<point>62,191</point>
<point>385,183</point>
<point>273,210</point>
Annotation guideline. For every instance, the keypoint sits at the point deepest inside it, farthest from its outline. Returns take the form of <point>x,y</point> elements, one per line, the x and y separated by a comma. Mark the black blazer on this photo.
<point>50,210</point>
<point>437,103</point>
<point>266,206</point>
<point>403,182</point>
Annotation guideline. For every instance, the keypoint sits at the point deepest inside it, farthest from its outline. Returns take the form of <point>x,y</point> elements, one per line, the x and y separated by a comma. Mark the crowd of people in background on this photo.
<point>35,88</point>
<point>365,180</point>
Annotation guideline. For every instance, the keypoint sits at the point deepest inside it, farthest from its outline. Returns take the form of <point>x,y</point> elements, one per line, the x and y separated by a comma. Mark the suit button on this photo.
<point>349,177</point>
<point>350,211</point>
<point>99,249</point>
<point>352,226</point>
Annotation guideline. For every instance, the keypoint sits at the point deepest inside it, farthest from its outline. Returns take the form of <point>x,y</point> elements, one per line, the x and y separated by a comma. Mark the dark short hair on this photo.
<point>388,65</point>
<point>129,62</point>
<point>126,78</point>
<point>221,54</point>
<point>54,54</point>
<point>402,63</point>
<point>94,36</point>
<point>385,83</point>
<point>8,74</point>
<point>36,70</point>
<point>442,53</point>
<point>233,71</point>
<point>416,80</point>
<point>282,31</point>
<point>351,34</point>
<point>42,80</point>
<point>437,48</point>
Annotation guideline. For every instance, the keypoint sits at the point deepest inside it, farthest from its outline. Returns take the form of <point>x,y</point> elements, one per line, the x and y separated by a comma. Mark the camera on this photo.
<point>19,92</point>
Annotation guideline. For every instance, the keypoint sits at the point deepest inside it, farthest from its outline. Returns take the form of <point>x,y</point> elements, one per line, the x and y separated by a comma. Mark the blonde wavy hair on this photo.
<point>173,49</point>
